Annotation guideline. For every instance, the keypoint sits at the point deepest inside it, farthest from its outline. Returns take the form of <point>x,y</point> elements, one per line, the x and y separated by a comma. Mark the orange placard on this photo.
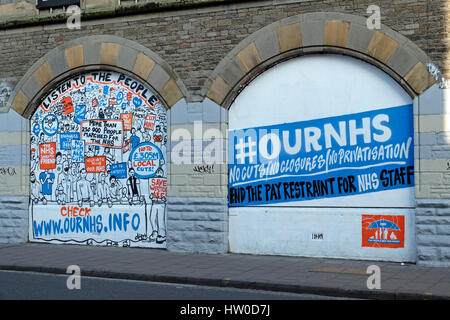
<point>127,121</point>
<point>67,105</point>
<point>383,231</point>
<point>47,155</point>
<point>95,164</point>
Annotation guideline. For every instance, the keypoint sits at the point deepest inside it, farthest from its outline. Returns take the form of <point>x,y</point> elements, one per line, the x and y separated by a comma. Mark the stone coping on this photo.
<point>321,32</point>
<point>104,52</point>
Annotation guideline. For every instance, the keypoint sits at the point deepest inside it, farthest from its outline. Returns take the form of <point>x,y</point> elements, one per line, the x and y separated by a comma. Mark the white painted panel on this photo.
<point>288,231</point>
<point>314,87</point>
<point>118,225</point>
<point>309,88</point>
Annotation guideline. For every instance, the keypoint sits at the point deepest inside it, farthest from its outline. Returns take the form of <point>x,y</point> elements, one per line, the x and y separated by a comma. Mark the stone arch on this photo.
<point>92,53</point>
<point>319,33</point>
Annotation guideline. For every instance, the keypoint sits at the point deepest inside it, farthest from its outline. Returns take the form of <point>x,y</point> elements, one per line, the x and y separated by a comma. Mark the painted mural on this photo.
<point>340,156</point>
<point>98,164</point>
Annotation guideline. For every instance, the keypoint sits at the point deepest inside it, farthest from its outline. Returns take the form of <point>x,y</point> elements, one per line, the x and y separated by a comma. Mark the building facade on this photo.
<point>304,128</point>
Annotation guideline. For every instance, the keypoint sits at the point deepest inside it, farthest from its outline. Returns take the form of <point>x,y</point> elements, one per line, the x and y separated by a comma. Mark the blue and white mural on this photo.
<point>323,158</point>
<point>98,163</point>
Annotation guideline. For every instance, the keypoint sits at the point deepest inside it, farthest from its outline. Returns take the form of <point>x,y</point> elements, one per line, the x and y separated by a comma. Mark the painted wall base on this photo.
<point>314,232</point>
<point>13,219</point>
<point>197,225</point>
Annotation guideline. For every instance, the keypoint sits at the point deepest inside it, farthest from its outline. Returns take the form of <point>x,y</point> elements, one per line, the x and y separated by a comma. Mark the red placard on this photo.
<point>95,164</point>
<point>47,155</point>
<point>383,231</point>
<point>67,105</point>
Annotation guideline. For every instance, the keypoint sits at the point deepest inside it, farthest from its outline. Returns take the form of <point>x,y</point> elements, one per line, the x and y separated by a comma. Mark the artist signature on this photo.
<point>140,237</point>
<point>205,168</point>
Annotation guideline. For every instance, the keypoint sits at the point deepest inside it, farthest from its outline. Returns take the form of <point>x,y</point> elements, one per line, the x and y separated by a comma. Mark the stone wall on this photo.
<point>197,225</point>
<point>193,39</point>
<point>433,232</point>
<point>14,182</point>
<point>432,152</point>
<point>197,210</point>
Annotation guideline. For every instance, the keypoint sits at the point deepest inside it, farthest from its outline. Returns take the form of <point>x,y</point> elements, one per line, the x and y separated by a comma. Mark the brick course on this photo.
<point>193,42</point>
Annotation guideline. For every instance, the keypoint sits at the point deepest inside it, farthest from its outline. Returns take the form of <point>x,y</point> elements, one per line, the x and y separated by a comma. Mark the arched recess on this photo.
<point>91,153</point>
<point>322,32</point>
<point>259,221</point>
<point>91,53</point>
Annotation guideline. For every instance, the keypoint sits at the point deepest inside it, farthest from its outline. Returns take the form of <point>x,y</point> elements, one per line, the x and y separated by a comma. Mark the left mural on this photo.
<point>98,171</point>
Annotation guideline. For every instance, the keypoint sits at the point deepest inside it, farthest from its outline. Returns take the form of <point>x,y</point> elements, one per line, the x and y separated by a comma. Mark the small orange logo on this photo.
<point>383,231</point>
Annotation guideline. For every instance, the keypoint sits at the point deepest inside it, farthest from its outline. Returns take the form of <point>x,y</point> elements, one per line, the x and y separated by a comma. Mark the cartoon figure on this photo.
<point>134,139</point>
<point>94,102</point>
<point>124,198</point>
<point>46,178</point>
<point>65,180</point>
<point>133,184</point>
<point>158,219</point>
<point>165,135</point>
<point>102,190</point>
<point>42,138</point>
<point>74,174</point>
<point>146,135</point>
<point>116,113</point>
<point>60,196</point>
<point>84,189</point>
<point>114,188</point>
<point>108,112</point>
<point>110,158</point>
<point>59,166</point>
<point>126,143</point>
<point>158,213</point>
<point>36,194</point>
<point>33,159</point>
<point>93,191</point>
<point>89,152</point>
<point>33,142</point>
<point>65,127</point>
<point>158,136</point>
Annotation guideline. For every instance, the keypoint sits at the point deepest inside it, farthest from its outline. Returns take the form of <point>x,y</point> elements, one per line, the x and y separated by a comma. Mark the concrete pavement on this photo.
<point>333,277</point>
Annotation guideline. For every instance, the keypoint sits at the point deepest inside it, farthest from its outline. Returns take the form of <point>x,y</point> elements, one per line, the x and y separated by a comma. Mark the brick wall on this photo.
<point>16,1</point>
<point>194,41</point>
<point>432,152</point>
